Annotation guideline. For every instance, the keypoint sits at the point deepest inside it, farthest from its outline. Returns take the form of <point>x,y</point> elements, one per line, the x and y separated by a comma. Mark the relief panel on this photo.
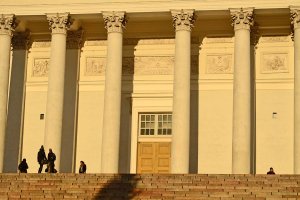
<point>95,66</point>
<point>40,67</point>
<point>274,63</point>
<point>219,64</point>
<point>153,65</point>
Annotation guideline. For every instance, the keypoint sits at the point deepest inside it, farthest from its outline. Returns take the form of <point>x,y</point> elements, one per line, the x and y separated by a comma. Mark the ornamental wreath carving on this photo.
<point>219,64</point>
<point>7,24</point>
<point>183,19</point>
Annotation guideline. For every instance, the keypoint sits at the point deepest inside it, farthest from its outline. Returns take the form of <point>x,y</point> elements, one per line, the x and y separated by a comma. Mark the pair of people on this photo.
<point>42,159</point>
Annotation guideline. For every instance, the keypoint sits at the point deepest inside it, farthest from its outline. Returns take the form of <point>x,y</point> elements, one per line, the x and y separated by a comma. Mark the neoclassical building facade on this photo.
<point>151,86</point>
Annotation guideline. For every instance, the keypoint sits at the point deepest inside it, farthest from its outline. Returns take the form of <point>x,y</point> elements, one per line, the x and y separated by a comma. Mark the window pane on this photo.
<point>152,117</point>
<point>170,118</point>
<point>147,131</point>
<point>159,131</point>
<point>159,124</point>
<point>164,132</point>
<point>142,131</point>
<point>151,131</point>
<point>152,125</point>
<point>165,118</point>
<point>143,117</point>
<point>169,131</point>
<point>143,125</point>
<point>147,117</point>
<point>159,117</point>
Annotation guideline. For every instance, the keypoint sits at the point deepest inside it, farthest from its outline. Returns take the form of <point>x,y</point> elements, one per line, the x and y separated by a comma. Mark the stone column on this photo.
<point>59,24</point>
<point>15,116</point>
<point>183,22</point>
<point>242,19</point>
<point>295,20</point>
<point>114,23</point>
<point>7,25</point>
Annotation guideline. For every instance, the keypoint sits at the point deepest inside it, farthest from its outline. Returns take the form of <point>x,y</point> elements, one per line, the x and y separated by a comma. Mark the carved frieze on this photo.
<point>7,24</point>
<point>218,40</point>
<point>183,19</point>
<point>95,43</point>
<point>59,22</point>
<point>148,41</point>
<point>242,18</point>
<point>153,65</point>
<point>274,63</point>
<point>275,39</point>
<point>95,66</point>
<point>219,64</point>
<point>114,21</point>
<point>41,44</point>
<point>40,67</point>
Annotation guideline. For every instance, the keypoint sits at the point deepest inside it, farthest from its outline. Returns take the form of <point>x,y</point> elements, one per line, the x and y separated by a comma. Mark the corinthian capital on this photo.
<point>242,18</point>
<point>59,22</point>
<point>183,19</point>
<point>295,17</point>
<point>7,24</point>
<point>114,21</point>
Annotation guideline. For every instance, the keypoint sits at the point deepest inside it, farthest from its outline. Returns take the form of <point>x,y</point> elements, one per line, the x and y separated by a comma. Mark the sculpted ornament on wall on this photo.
<point>295,17</point>
<point>219,64</point>
<point>95,66</point>
<point>242,18</point>
<point>153,65</point>
<point>59,22</point>
<point>40,67</point>
<point>7,24</point>
<point>183,19</point>
<point>274,63</point>
<point>114,21</point>
<point>41,44</point>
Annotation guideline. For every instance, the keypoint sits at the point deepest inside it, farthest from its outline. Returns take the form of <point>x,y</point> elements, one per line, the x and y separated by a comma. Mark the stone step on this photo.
<point>148,186</point>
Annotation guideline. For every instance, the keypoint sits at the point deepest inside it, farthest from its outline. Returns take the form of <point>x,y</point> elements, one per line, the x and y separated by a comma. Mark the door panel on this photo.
<point>154,157</point>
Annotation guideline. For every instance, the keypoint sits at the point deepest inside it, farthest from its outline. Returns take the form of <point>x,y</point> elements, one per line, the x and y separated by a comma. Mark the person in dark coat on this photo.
<point>51,159</point>
<point>41,158</point>
<point>82,168</point>
<point>23,166</point>
<point>271,171</point>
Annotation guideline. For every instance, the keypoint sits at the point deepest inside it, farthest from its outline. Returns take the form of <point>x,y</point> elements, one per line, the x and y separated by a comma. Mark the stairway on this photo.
<point>148,186</point>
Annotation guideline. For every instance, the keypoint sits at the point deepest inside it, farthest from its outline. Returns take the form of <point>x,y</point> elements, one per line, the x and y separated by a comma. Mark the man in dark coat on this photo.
<point>41,158</point>
<point>23,166</point>
<point>51,159</point>
<point>82,168</point>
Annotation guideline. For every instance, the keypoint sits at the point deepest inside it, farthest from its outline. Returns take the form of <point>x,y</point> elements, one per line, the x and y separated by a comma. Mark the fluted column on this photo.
<point>114,23</point>
<point>59,24</point>
<point>7,25</point>
<point>242,19</point>
<point>183,22</point>
<point>295,20</point>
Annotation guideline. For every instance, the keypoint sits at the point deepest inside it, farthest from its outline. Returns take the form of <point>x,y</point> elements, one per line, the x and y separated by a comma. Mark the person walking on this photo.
<point>41,158</point>
<point>23,166</point>
<point>51,159</point>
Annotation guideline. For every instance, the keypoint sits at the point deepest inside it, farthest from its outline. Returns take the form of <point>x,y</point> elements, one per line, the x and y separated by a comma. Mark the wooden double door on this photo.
<point>154,157</point>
